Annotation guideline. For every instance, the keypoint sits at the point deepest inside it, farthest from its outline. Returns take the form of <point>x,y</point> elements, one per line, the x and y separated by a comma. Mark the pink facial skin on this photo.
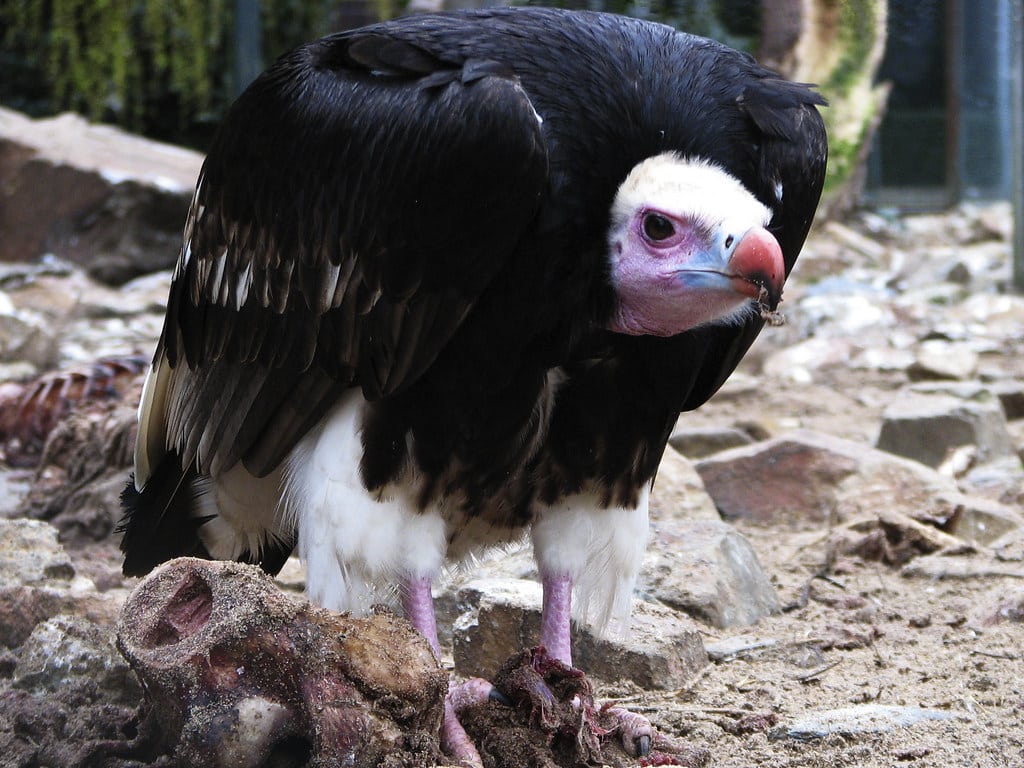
<point>673,273</point>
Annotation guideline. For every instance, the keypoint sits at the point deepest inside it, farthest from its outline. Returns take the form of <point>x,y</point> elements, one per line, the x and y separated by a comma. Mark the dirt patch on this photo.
<point>860,633</point>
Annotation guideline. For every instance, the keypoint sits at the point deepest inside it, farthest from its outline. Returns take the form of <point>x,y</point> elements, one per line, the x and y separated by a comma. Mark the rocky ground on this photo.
<point>836,568</point>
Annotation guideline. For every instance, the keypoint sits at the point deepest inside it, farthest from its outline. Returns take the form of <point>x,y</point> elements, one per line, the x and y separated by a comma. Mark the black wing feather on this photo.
<point>344,211</point>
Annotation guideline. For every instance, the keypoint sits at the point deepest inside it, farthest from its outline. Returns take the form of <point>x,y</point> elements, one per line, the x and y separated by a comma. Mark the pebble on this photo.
<point>741,646</point>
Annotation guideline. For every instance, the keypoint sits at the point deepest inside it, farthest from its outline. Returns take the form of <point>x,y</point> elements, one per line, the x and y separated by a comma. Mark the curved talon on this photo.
<point>642,745</point>
<point>501,698</point>
<point>470,693</point>
<point>635,731</point>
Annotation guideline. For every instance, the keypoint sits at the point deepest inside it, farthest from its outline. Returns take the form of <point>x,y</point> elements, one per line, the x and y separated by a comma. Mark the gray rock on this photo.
<point>91,194</point>
<point>959,273</point>
<point>14,486</point>
<point>661,649</point>
<point>995,220</point>
<point>38,581</point>
<point>26,336</point>
<point>938,359</point>
<point>68,648</point>
<point>975,518</point>
<point>849,721</point>
<point>1001,479</point>
<point>788,477</point>
<point>851,238</point>
<point>1011,395</point>
<point>22,608</point>
<point>459,591</point>
<point>707,569</point>
<point>842,308</point>
<point>806,475</point>
<point>801,361</point>
<point>30,555</point>
<point>77,296</point>
<point>990,315</point>
<point>679,492</point>
<point>882,358</point>
<point>926,425</point>
<point>1010,608</point>
<point>695,562</point>
<point>696,443</point>
<point>499,615</point>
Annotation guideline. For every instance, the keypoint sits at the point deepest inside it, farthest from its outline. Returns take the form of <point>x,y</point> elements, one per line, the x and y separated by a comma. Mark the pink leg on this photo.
<point>556,618</point>
<point>634,730</point>
<point>418,604</point>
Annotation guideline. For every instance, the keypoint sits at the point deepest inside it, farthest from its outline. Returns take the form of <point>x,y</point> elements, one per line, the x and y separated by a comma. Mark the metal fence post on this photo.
<point>1017,142</point>
<point>248,48</point>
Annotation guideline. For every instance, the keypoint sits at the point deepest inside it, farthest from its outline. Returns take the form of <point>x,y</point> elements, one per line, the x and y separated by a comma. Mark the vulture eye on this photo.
<point>657,227</point>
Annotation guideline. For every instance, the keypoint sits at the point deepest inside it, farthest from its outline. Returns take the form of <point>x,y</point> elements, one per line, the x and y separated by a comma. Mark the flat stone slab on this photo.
<point>961,566</point>
<point>809,476</point>
<point>850,721</point>
<point>661,649</point>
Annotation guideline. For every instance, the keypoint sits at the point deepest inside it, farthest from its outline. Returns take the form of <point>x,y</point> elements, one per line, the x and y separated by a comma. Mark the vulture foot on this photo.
<point>550,718</point>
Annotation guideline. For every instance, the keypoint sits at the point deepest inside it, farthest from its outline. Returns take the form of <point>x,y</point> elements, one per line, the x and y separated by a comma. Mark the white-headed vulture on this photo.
<point>450,279</point>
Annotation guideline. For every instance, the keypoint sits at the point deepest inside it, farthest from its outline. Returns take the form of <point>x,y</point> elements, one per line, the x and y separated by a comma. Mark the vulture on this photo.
<point>449,280</point>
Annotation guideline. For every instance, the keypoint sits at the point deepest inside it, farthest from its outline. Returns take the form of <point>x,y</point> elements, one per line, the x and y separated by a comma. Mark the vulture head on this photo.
<point>688,247</point>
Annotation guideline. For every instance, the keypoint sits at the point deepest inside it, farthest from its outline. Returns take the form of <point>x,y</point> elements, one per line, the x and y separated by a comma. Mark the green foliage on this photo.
<point>854,99</point>
<point>858,28</point>
<point>165,68</point>
<point>161,67</point>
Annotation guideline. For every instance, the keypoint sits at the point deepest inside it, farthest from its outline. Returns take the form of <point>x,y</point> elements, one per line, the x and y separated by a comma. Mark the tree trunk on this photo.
<point>839,45</point>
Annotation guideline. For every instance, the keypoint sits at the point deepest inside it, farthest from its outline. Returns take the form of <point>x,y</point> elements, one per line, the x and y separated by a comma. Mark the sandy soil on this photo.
<point>865,635</point>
